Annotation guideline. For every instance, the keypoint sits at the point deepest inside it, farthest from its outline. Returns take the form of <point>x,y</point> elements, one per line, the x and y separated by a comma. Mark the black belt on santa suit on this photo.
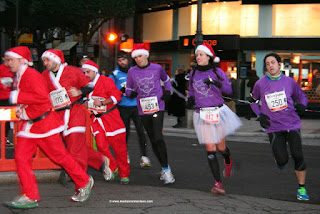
<point>39,118</point>
<point>103,113</point>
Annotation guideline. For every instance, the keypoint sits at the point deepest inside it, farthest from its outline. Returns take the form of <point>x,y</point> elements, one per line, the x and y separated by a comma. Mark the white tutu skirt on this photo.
<point>209,133</point>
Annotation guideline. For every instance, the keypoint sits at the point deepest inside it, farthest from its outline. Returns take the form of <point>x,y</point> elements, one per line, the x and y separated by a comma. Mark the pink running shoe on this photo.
<point>218,188</point>
<point>227,172</point>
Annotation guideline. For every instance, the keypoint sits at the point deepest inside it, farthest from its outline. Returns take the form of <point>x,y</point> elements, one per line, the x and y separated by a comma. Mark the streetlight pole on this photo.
<point>199,35</point>
<point>17,22</point>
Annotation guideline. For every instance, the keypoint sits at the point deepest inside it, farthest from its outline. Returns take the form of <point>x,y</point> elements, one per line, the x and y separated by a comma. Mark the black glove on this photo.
<point>133,95</point>
<point>300,108</point>
<point>190,103</point>
<point>166,95</point>
<point>264,121</point>
<point>123,89</point>
<point>209,81</point>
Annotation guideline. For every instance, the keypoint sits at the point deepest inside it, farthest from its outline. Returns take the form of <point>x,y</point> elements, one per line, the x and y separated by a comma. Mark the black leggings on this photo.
<point>153,124</point>
<point>128,113</point>
<point>278,141</point>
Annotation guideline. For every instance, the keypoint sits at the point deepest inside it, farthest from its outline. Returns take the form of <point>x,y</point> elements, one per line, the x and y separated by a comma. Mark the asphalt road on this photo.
<point>255,174</point>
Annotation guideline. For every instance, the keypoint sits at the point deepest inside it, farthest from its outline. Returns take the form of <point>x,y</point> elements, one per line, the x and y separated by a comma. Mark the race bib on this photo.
<point>6,81</point>
<point>149,105</point>
<point>94,108</point>
<point>276,101</point>
<point>210,115</point>
<point>59,98</point>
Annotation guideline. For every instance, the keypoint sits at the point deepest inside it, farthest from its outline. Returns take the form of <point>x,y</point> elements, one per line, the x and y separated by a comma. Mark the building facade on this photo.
<point>241,34</point>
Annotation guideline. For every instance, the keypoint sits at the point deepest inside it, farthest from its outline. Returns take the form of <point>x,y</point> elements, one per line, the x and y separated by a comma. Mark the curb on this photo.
<point>41,175</point>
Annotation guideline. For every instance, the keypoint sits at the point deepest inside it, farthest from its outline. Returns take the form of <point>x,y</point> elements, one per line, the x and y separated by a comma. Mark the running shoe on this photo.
<point>83,194</point>
<point>227,172</point>
<point>125,180</point>
<point>145,161</point>
<point>114,174</point>
<point>302,194</point>
<point>218,188</point>
<point>167,176</point>
<point>22,202</point>
<point>106,171</point>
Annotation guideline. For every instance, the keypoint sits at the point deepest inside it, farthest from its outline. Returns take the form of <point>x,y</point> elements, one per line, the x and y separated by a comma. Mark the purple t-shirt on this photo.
<point>208,96</point>
<point>277,102</point>
<point>146,82</point>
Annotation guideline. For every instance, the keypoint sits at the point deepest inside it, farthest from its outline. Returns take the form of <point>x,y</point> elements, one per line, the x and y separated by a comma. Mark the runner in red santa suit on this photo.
<point>67,86</point>
<point>107,125</point>
<point>39,126</point>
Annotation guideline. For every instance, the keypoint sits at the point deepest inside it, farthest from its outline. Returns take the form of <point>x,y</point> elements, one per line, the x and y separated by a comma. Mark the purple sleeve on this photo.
<point>299,95</point>
<point>166,80</point>
<point>256,95</point>
<point>129,85</point>
<point>191,92</point>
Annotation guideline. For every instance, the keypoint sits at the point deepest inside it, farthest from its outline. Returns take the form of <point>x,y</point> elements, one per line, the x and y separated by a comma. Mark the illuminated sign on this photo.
<point>218,42</point>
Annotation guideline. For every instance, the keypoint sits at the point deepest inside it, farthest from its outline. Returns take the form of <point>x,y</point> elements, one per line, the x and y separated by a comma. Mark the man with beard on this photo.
<point>128,106</point>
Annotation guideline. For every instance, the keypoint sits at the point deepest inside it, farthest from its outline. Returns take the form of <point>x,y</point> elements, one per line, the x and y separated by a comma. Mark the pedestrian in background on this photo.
<point>39,126</point>
<point>177,102</point>
<point>212,120</point>
<point>143,83</point>
<point>229,99</point>
<point>277,94</point>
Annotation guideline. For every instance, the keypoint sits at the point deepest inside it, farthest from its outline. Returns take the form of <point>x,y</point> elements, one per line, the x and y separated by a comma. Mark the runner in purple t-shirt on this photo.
<point>144,83</point>
<point>277,94</point>
<point>212,120</point>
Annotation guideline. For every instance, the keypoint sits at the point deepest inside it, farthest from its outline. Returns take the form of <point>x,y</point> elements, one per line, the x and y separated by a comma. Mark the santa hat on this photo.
<point>139,49</point>
<point>55,55</point>
<point>20,52</point>
<point>207,49</point>
<point>91,65</point>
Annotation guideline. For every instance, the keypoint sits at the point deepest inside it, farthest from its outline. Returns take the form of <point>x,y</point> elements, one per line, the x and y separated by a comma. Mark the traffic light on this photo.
<point>112,37</point>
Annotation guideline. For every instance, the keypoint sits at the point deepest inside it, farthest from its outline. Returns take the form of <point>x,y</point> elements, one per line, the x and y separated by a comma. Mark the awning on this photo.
<point>65,46</point>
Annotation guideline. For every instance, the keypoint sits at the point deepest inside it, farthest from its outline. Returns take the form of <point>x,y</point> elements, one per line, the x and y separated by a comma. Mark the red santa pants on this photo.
<point>119,146</point>
<point>56,151</point>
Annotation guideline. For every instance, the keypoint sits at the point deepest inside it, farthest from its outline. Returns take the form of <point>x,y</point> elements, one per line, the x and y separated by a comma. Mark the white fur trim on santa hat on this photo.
<point>204,49</point>
<point>138,52</point>
<point>15,55</point>
<point>51,56</point>
<point>95,69</point>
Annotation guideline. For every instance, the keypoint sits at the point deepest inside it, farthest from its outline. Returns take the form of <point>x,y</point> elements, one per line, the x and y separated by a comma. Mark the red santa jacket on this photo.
<point>67,77</point>
<point>32,97</point>
<point>6,80</point>
<point>111,123</point>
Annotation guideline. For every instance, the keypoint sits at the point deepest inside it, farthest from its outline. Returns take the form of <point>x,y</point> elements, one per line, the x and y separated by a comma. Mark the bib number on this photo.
<point>210,115</point>
<point>59,98</point>
<point>276,101</point>
<point>149,105</point>
<point>94,108</point>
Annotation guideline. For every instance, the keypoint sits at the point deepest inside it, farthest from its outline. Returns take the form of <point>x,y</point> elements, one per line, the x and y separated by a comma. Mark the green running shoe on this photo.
<point>22,202</point>
<point>302,194</point>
